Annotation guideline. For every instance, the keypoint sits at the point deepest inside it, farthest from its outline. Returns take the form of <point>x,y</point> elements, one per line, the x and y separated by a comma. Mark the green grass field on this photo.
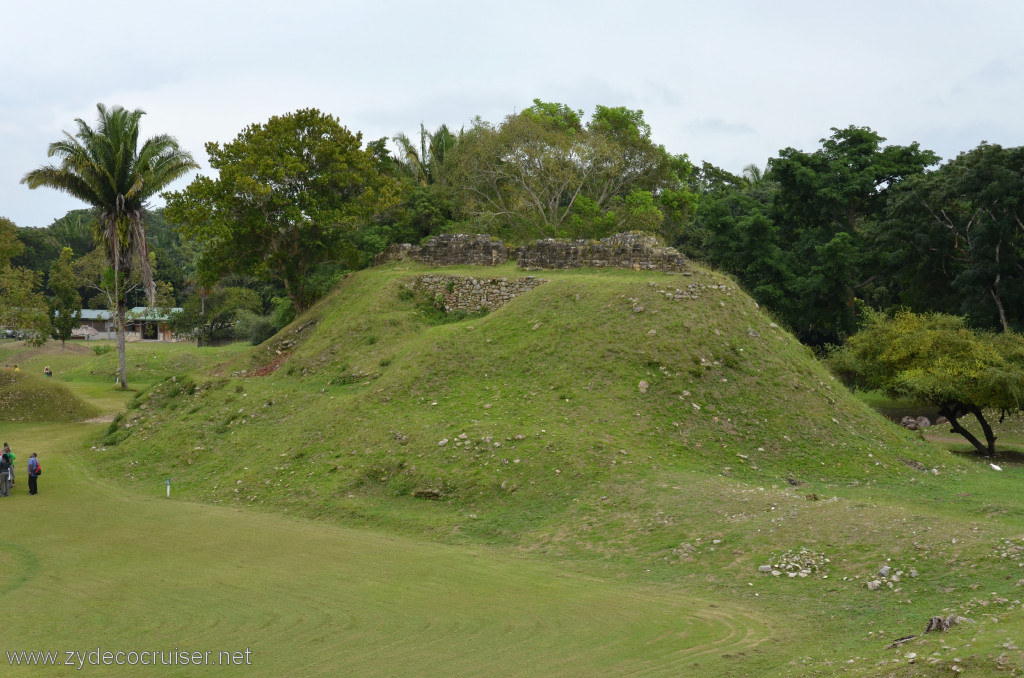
<point>571,525</point>
<point>90,564</point>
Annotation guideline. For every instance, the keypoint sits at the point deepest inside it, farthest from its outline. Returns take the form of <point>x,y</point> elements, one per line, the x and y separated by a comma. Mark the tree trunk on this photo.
<point>995,294</point>
<point>990,437</point>
<point>999,306</point>
<point>952,415</point>
<point>122,367</point>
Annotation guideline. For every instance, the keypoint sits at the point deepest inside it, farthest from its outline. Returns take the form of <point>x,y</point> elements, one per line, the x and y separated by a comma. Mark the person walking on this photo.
<point>11,458</point>
<point>5,475</point>
<point>34,469</point>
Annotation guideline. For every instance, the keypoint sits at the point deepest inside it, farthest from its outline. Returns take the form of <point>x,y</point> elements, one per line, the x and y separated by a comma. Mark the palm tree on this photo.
<point>753,175</point>
<point>105,168</point>
<point>424,164</point>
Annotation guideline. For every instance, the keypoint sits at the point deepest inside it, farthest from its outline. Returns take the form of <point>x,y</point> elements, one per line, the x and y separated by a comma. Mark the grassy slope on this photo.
<point>92,564</point>
<point>545,392</point>
<point>611,481</point>
<point>27,397</point>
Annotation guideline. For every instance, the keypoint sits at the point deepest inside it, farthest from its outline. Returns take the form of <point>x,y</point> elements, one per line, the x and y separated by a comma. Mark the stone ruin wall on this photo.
<point>623,250</point>
<point>449,249</point>
<point>473,295</point>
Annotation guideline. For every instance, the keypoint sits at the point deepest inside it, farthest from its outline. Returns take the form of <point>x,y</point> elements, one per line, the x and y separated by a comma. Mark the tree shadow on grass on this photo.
<point>1005,454</point>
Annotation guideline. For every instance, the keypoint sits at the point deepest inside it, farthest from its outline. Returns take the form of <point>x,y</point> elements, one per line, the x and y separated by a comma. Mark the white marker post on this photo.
<point>168,488</point>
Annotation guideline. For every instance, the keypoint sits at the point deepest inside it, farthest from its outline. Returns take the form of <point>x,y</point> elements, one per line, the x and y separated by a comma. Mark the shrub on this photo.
<point>255,328</point>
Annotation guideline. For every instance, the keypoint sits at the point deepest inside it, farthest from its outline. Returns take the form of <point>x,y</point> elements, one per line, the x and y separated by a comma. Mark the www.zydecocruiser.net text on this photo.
<point>81,659</point>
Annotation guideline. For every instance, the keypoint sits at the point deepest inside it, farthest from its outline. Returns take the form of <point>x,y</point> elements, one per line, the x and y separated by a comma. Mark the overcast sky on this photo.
<point>726,82</point>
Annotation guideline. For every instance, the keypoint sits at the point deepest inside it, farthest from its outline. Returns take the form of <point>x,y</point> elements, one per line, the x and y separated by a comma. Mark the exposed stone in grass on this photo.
<point>916,465</point>
<point>684,549</point>
<point>796,563</point>
<point>1011,549</point>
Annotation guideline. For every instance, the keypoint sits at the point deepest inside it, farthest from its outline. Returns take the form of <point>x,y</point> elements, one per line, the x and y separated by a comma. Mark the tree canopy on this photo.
<point>544,173</point>
<point>813,234</point>
<point>286,194</point>
<point>22,307</point>
<point>827,207</point>
<point>955,237</point>
<point>935,358</point>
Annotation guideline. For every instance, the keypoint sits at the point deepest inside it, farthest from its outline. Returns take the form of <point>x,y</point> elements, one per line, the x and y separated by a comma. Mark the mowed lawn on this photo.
<point>89,565</point>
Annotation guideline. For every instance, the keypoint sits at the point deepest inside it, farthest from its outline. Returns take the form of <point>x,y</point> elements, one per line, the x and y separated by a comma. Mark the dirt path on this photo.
<point>102,419</point>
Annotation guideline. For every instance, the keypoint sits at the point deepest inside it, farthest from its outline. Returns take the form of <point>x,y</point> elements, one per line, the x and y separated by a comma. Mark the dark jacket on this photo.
<point>5,463</point>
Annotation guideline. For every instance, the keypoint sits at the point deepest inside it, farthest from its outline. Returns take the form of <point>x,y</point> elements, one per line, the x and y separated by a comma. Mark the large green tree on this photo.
<point>543,172</point>
<point>286,194</point>
<point>827,206</point>
<point>65,302</point>
<point>936,359</point>
<point>955,237</point>
<point>733,230</point>
<point>10,244</point>
<point>106,168</point>
<point>74,230</point>
<point>41,249</point>
<point>22,306</point>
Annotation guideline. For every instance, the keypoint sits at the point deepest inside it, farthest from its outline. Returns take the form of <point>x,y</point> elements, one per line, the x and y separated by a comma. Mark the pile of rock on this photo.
<point>886,577</point>
<point>1011,549</point>
<point>795,563</point>
<point>917,423</point>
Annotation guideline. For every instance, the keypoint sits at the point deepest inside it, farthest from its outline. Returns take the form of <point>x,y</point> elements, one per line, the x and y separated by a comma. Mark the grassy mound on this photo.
<point>28,398</point>
<point>598,422</point>
<point>592,386</point>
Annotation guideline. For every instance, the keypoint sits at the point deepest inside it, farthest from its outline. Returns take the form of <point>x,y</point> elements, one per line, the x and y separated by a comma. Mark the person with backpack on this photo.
<point>34,471</point>
<point>5,475</point>
<point>11,458</point>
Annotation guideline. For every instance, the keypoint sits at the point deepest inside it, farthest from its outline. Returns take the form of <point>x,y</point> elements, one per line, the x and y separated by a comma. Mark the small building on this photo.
<point>141,324</point>
<point>99,321</point>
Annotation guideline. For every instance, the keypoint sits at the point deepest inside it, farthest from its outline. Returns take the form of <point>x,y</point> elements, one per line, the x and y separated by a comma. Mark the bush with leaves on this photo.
<point>256,328</point>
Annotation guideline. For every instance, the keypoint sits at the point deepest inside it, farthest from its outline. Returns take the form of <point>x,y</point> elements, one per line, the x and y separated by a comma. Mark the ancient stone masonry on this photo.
<point>473,294</point>
<point>623,250</point>
<point>449,249</point>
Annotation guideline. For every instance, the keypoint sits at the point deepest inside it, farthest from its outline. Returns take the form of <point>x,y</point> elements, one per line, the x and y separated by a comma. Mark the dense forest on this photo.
<point>818,236</point>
